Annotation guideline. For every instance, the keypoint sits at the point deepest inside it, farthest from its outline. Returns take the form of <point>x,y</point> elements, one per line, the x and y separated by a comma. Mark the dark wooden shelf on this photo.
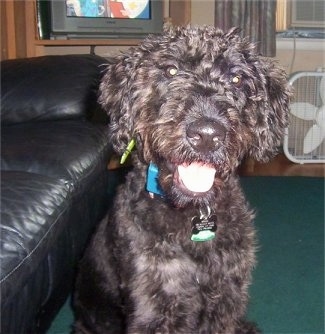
<point>87,42</point>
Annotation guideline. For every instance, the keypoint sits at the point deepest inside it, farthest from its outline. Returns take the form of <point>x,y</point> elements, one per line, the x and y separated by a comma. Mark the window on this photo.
<point>299,14</point>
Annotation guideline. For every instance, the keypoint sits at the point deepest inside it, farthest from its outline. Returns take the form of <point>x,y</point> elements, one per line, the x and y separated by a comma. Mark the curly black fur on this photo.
<point>142,273</point>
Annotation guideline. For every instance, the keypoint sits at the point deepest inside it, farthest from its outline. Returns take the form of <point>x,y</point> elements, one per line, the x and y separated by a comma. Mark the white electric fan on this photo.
<point>304,141</point>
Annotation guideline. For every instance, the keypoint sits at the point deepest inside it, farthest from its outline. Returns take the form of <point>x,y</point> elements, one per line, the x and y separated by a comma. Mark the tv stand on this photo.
<point>17,16</point>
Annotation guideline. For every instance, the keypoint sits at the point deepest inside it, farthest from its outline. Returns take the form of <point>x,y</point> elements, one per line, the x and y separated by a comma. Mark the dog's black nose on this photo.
<point>206,134</point>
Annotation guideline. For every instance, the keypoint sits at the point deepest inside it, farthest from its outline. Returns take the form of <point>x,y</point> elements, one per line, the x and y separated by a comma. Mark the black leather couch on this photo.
<point>54,182</point>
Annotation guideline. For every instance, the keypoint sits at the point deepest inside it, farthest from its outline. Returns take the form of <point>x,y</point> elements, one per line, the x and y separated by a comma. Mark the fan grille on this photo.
<point>306,89</point>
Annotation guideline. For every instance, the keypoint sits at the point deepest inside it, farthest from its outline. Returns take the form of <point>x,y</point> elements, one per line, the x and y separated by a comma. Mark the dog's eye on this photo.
<point>236,80</point>
<point>171,71</point>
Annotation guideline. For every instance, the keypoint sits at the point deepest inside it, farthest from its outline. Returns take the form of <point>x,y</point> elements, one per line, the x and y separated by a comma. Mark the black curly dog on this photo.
<point>176,256</point>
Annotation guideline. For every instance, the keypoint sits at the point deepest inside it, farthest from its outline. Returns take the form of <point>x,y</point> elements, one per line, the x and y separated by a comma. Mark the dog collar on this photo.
<point>152,185</point>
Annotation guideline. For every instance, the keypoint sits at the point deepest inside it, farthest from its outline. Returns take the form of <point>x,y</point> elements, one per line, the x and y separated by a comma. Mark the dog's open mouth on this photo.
<point>195,177</point>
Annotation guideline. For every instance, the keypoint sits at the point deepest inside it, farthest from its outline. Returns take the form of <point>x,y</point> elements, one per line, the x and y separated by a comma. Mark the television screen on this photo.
<point>70,19</point>
<point>108,8</point>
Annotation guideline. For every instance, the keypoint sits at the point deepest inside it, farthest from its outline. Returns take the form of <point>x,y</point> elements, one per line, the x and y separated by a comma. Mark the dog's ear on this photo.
<point>273,110</point>
<point>114,96</point>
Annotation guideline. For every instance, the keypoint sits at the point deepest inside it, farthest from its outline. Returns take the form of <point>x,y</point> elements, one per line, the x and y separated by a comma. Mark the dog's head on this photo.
<point>196,100</point>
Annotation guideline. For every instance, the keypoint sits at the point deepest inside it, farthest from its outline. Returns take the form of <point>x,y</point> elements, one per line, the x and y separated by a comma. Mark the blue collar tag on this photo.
<point>152,185</point>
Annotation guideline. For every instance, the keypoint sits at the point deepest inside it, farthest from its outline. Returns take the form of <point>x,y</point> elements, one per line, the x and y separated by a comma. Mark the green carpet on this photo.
<point>287,294</point>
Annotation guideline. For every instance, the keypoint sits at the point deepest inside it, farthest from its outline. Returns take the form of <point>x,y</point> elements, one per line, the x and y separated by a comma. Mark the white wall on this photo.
<point>301,55</point>
<point>202,12</point>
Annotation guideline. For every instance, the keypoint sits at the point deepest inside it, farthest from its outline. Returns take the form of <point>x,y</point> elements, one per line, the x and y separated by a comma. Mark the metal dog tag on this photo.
<point>204,227</point>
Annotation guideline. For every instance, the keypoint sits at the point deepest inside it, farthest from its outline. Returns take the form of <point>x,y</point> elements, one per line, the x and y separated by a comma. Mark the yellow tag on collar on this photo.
<point>128,150</point>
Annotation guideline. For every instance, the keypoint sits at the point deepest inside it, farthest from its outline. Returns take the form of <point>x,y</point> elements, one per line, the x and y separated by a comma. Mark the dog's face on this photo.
<point>196,100</point>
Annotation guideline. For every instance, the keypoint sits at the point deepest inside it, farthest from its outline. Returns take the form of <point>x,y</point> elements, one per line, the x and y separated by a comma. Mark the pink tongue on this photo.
<point>197,177</point>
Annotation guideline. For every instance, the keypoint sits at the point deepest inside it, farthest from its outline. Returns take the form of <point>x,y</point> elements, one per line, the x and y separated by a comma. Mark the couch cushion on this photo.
<point>33,210</point>
<point>69,150</point>
<point>49,87</point>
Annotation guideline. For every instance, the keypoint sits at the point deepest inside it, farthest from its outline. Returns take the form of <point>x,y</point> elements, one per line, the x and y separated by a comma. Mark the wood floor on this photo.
<point>281,166</point>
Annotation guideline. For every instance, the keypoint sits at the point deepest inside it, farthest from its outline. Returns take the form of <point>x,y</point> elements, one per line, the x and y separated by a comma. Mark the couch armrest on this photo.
<point>49,87</point>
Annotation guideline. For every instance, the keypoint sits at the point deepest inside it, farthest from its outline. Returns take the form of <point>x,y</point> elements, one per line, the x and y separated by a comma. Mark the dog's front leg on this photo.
<point>165,295</point>
<point>97,301</point>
